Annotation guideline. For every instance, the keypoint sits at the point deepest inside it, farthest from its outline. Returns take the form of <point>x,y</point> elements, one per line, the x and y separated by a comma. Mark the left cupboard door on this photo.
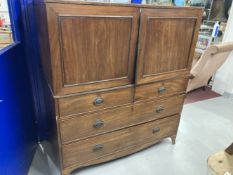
<point>91,47</point>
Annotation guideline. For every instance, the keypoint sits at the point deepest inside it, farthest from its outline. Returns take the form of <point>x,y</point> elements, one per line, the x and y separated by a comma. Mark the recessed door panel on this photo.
<point>93,49</point>
<point>168,44</point>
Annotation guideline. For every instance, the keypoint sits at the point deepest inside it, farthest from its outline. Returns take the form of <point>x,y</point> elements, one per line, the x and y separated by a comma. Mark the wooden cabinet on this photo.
<point>117,75</point>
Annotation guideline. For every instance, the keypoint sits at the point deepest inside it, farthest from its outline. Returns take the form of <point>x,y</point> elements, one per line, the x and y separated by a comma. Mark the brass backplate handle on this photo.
<point>162,90</point>
<point>98,147</point>
<point>160,109</point>
<point>155,130</point>
<point>98,124</point>
<point>98,101</point>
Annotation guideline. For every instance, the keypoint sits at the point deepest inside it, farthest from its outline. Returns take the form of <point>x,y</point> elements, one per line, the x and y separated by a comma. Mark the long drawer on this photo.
<point>79,153</point>
<point>161,89</point>
<point>81,127</point>
<point>94,101</point>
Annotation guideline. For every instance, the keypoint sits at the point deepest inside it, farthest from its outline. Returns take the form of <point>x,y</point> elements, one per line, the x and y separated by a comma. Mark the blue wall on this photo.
<point>18,134</point>
<point>23,109</point>
<point>17,129</point>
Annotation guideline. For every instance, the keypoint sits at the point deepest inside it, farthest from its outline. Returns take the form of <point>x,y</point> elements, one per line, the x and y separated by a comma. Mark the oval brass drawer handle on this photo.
<point>98,101</point>
<point>155,130</point>
<point>98,147</point>
<point>98,124</point>
<point>162,90</point>
<point>160,109</point>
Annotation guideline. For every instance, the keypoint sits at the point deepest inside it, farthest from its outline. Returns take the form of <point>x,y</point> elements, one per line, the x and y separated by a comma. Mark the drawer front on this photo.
<point>77,128</point>
<point>160,89</point>
<point>108,144</point>
<point>94,102</point>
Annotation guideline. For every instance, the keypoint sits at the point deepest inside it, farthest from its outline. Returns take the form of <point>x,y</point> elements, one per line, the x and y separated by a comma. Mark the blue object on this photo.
<point>179,2</point>
<point>136,1</point>
<point>216,32</point>
<point>38,83</point>
<point>17,127</point>
<point>215,29</point>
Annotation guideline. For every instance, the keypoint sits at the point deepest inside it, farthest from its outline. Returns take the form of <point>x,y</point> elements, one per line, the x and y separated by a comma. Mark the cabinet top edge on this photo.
<point>104,3</point>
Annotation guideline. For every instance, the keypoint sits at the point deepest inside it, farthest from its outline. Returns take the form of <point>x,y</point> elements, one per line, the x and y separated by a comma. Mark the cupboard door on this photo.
<point>92,47</point>
<point>166,44</point>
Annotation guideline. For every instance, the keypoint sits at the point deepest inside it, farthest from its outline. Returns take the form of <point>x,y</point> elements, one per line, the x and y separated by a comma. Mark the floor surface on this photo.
<point>200,94</point>
<point>206,127</point>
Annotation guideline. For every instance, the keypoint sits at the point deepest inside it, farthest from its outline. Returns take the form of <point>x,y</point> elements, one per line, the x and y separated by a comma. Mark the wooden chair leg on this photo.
<point>173,139</point>
<point>229,150</point>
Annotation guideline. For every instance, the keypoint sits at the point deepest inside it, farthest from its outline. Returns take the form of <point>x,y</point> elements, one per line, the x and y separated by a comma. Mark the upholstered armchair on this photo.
<point>213,57</point>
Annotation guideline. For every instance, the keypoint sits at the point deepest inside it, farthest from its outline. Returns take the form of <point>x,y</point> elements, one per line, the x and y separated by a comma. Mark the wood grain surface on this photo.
<point>160,89</point>
<point>117,75</point>
<point>166,43</point>
<point>81,127</point>
<point>85,103</point>
<point>84,151</point>
<point>92,47</point>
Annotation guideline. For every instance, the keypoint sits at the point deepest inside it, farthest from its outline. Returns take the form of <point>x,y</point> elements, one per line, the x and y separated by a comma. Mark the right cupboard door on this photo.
<point>166,43</point>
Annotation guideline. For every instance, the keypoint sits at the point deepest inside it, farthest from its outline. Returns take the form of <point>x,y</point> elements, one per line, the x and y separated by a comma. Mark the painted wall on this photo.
<point>18,136</point>
<point>223,81</point>
<point>17,129</point>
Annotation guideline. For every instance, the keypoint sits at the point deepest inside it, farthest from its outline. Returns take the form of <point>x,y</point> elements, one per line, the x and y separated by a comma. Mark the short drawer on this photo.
<point>106,145</point>
<point>95,101</point>
<point>160,89</point>
<point>81,127</point>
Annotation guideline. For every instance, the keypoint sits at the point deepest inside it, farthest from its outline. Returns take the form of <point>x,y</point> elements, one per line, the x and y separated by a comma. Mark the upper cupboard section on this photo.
<point>91,47</point>
<point>94,46</point>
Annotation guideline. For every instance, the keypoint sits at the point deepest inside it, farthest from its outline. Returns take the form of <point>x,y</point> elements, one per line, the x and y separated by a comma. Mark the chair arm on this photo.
<point>225,47</point>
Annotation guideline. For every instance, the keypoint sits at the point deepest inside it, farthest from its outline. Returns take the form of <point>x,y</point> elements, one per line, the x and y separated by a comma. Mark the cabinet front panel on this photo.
<point>95,45</point>
<point>81,127</point>
<point>80,153</point>
<point>166,44</point>
<point>160,89</point>
<point>88,103</point>
<point>93,49</point>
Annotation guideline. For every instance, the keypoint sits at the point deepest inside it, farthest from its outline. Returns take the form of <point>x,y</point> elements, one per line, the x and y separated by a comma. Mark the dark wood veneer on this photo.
<point>107,101</point>
<point>91,47</point>
<point>166,43</point>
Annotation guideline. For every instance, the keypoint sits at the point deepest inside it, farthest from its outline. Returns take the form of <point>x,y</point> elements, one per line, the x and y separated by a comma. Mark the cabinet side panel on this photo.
<point>41,22</point>
<point>53,145</point>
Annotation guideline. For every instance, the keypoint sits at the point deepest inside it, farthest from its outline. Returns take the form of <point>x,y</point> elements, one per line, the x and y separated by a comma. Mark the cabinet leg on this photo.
<point>70,170</point>
<point>65,173</point>
<point>229,150</point>
<point>173,139</point>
